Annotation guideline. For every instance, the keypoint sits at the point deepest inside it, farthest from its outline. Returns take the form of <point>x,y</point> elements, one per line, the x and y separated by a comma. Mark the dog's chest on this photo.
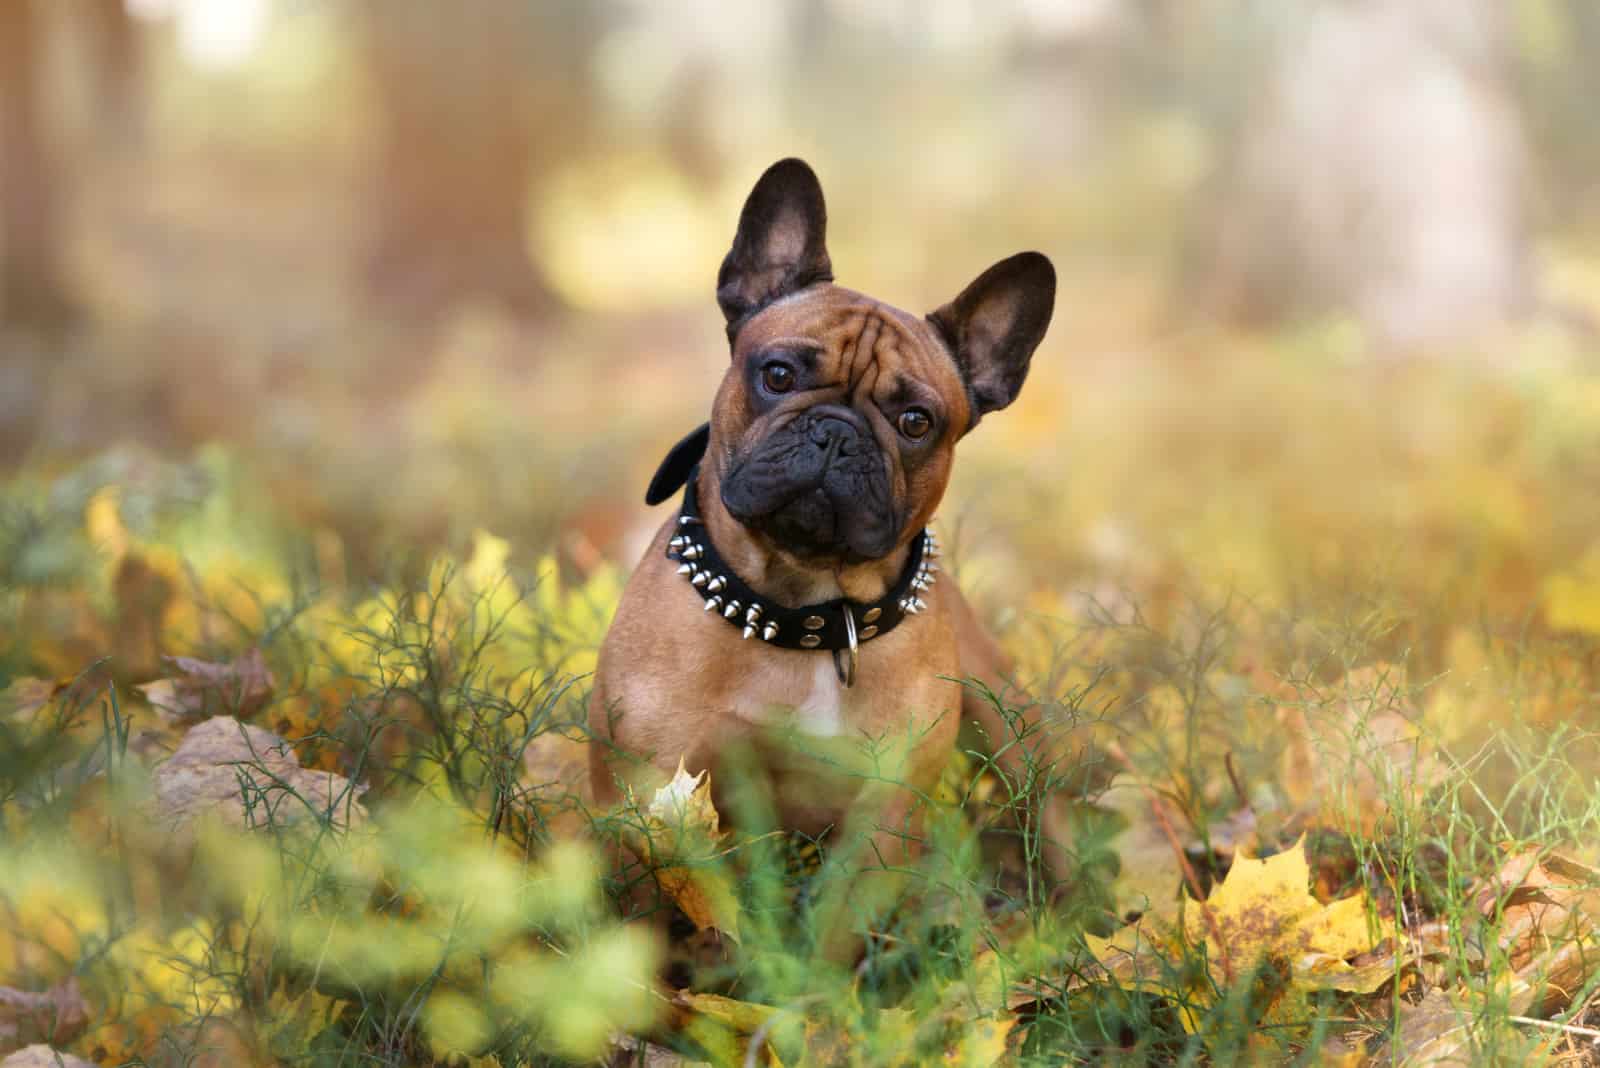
<point>811,702</point>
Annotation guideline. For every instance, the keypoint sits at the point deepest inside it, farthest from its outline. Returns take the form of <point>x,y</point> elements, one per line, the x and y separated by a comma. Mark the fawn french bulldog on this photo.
<point>791,612</point>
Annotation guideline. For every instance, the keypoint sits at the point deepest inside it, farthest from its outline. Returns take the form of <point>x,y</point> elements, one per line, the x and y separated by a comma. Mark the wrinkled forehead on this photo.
<point>849,329</point>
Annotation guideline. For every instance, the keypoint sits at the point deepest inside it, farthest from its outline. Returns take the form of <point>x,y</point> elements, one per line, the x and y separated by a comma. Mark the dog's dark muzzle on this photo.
<point>819,486</point>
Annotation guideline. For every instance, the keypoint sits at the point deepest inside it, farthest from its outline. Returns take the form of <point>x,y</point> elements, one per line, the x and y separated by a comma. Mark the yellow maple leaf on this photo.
<point>680,836</point>
<point>1263,912</point>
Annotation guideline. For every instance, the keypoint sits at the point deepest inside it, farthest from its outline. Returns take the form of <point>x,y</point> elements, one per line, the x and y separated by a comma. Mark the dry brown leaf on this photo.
<point>246,776</point>
<point>55,1015</point>
<point>1548,908</point>
<point>1433,1033</point>
<point>43,1057</point>
<point>25,696</point>
<point>681,834</point>
<point>199,688</point>
<point>1351,755</point>
<point>1546,984</point>
<point>144,594</point>
<point>630,1052</point>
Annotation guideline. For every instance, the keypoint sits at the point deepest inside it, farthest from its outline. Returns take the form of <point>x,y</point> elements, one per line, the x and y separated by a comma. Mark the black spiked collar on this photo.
<point>839,626</point>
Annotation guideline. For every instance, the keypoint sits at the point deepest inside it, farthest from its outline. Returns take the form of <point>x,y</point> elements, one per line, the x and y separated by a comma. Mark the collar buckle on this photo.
<point>847,675</point>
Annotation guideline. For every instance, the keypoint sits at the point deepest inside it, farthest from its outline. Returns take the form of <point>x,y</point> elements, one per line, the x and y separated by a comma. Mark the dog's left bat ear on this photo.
<point>679,465</point>
<point>995,324</point>
<point>781,246</point>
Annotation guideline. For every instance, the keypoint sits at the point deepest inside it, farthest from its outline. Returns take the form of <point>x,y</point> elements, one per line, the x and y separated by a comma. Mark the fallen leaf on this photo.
<point>1357,754</point>
<point>1433,1033</point>
<point>629,1052</point>
<point>902,1038</point>
<point>1547,908</point>
<point>43,1057</point>
<point>1148,870</point>
<point>144,594</point>
<point>982,1042</point>
<point>680,838</point>
<point>1262,912</point>
<point>55,1015</point>
<point>246,776</point>
<point>241,687</point>
<point>26,696</point>
<point>743,1017</point>
<point>723,1026</point>
<point>1263,908</point>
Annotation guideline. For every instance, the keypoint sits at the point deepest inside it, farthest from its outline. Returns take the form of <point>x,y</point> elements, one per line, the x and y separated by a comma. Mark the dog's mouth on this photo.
<point>818,487</point>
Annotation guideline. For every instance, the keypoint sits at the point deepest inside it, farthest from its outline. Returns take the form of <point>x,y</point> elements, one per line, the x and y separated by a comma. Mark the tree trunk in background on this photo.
<point>117,67</point>
<point>472,106</point>
<point>33,291</point>
<point>1380,173</point>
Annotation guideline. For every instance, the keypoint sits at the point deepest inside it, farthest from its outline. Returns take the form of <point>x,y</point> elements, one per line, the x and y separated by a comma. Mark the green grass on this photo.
<point>1230,673</point>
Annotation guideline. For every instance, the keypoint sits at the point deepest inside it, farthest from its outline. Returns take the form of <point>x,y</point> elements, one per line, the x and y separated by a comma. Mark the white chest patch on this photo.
<point>819,711</point>
<point>822,711</point>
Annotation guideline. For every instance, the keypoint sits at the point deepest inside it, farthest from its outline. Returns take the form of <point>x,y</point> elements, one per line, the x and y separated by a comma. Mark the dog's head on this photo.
<point>833,432</point>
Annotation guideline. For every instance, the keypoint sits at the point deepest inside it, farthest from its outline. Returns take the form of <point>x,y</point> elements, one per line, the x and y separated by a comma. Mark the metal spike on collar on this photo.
<point>696,562</point>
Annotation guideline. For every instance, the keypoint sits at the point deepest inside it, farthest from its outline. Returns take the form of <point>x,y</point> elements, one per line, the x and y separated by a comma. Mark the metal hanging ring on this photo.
<point>847,676</point>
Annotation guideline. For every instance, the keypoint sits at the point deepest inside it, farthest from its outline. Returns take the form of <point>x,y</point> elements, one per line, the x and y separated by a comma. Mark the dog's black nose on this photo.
<point>841,430</point>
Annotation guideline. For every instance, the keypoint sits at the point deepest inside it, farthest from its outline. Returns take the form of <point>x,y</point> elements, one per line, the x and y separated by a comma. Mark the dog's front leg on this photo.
<point>874,864</point>
<point>883,836</point>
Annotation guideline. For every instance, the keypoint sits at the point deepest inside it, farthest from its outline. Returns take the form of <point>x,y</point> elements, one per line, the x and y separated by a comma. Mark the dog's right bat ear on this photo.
<point>679,465</point>
<point>781,246</point>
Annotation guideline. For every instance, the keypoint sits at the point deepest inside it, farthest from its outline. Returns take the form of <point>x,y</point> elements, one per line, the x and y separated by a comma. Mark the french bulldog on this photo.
<point>790,614</point>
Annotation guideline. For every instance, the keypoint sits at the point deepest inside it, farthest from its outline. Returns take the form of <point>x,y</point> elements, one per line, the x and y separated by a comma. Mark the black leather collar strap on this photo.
<point>826,625</point>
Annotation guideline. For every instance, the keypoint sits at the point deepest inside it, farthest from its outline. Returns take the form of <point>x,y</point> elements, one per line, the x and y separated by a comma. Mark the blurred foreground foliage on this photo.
<point>268,796</point>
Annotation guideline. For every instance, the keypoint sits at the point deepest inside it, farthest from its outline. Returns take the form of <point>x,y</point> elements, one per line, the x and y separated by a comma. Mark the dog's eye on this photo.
<point>915,423</point>
<point>778,377</point>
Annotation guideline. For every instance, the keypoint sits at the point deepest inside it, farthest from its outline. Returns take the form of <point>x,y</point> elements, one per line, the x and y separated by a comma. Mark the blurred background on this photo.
<point>1330,268</point>
<point>309,309</point>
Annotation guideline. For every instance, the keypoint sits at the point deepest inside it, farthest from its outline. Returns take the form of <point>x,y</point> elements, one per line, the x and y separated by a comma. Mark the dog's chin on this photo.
<point>815,528</point>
